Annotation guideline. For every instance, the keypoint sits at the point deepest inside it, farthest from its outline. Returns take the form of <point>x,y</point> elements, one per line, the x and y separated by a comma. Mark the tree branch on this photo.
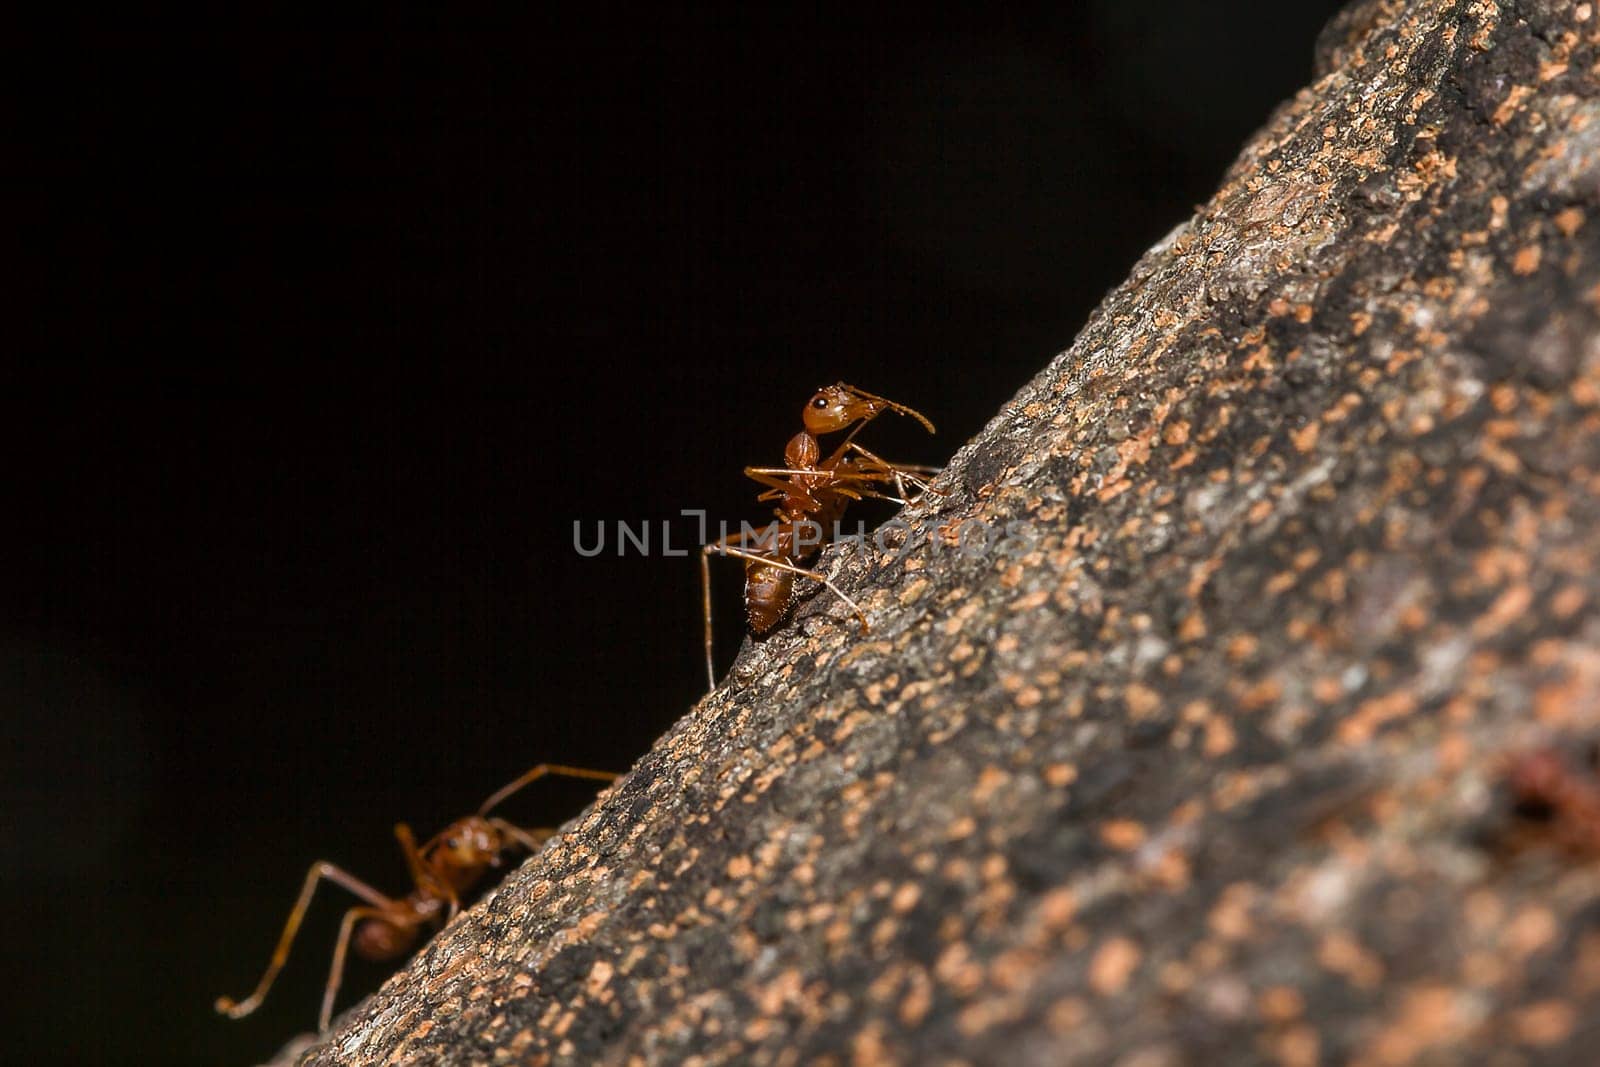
<point>1200,765</point>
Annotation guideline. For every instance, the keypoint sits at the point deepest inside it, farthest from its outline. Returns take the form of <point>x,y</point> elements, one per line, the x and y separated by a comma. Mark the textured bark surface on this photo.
<point>1208,765</point>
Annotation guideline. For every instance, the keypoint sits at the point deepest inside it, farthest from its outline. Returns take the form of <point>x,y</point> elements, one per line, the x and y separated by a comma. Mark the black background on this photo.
<point>320,344</point>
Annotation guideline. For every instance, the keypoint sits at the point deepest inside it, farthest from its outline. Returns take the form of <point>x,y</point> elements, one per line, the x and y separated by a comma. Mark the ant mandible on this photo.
<point>442,869</point>
<point>812,494</point>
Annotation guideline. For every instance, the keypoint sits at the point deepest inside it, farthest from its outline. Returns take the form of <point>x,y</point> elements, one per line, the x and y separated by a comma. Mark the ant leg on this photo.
<point>865,477</point>
<point>531,839</point>
<point>900,471</point>
<point>761,474</point>
<point>779,487</point>
<point>408,845</point>
<point>853,494</point>
<point>758,473</point>
<point>768,476</point>
<point>908,469</point>
<point>540,771</point>
<point>336,972</point>
<point>239,1009</point>
<point>815,576</point>
<point>705,606</point>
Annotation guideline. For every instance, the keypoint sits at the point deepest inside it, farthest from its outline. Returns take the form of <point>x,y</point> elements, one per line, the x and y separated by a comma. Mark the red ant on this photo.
<point>442,869</point>
<point>812,494</point>
<point>1543,781</point>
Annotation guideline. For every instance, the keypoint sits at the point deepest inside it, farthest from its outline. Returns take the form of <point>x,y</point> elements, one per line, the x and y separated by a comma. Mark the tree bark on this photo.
<point>1202,758</point>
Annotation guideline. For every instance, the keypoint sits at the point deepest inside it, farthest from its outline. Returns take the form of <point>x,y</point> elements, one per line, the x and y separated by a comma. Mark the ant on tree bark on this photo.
<point>443,868</point>
<point>812,493</point>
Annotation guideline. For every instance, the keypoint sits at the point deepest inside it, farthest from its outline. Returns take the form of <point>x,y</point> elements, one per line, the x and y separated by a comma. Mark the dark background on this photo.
<point>319,345</point>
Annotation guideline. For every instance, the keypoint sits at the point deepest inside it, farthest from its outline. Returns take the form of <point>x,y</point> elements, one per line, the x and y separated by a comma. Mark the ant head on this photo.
<point>833,407</point>
<point>471,842</point>
<point>836,406</point>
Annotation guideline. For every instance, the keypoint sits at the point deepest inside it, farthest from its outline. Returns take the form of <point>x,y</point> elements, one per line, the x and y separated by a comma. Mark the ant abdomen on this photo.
<point>768,592</point>
<point>379,940</point>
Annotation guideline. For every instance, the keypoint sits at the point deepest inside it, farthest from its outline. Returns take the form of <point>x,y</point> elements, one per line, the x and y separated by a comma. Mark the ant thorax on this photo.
<point>802,452</point>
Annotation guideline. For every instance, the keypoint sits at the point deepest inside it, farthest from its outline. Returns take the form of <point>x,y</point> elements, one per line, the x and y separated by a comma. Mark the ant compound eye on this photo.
<point>819,402</point>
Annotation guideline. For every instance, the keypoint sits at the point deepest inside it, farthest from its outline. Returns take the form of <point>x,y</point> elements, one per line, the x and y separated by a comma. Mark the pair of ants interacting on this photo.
<point>811,492</point>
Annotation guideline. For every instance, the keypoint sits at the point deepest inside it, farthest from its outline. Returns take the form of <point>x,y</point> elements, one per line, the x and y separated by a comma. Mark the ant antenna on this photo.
<point>538,772</point>
<point>900,409</point>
